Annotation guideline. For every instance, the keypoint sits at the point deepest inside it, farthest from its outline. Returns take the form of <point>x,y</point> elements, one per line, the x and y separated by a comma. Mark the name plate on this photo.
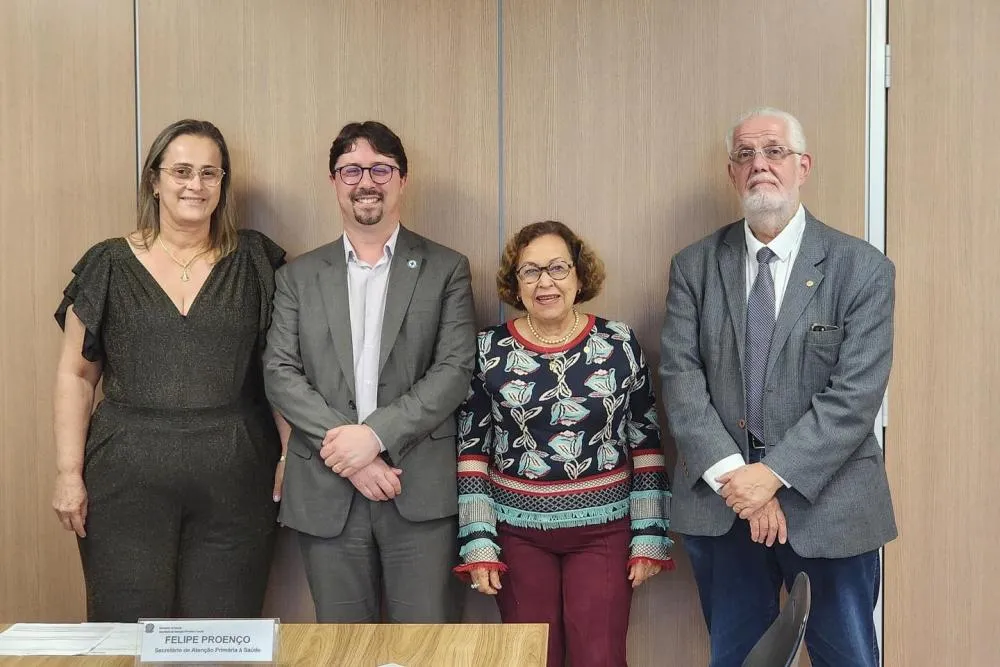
<point>208,641</point>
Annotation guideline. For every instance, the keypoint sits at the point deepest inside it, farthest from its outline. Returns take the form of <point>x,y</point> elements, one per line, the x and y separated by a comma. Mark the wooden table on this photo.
<point>311,645</point>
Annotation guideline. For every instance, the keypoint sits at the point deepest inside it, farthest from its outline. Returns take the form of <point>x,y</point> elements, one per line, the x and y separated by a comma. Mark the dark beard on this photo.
<point>368,219</point>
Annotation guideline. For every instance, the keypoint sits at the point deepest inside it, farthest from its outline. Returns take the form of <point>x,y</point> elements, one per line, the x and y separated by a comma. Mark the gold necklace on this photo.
<point>555,341</point>
<point>185,276</point>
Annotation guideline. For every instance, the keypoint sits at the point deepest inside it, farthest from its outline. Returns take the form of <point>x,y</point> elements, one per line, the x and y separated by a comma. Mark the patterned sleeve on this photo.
<point>476,515</point>
<point>649,507</point>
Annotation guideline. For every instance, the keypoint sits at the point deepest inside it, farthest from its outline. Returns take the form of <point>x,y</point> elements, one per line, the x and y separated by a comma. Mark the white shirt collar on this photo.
<point>390,246</point>
<point>784,243</point>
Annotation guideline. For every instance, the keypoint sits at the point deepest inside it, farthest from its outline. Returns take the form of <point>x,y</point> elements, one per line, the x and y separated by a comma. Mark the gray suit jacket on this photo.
<point>426,360</point>
<point>823,389</point>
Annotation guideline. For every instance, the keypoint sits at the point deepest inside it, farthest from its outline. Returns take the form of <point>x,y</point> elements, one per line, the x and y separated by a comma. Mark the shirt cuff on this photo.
<point>780,478</point>
<point>720,468</point>
<point>381,447</point>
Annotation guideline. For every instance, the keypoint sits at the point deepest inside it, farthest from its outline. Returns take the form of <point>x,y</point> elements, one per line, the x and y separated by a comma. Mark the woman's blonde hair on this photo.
<point>223,231</point>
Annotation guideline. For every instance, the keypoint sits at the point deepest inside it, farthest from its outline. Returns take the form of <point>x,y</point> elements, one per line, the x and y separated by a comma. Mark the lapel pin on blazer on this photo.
<point>412,263</point>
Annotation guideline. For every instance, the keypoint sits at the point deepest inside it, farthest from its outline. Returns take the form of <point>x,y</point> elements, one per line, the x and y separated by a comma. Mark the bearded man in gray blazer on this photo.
<point>369,353</point>
<point>776,351</point>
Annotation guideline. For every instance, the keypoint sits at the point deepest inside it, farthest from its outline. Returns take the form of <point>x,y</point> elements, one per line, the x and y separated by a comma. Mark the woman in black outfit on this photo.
<point>169,483</point>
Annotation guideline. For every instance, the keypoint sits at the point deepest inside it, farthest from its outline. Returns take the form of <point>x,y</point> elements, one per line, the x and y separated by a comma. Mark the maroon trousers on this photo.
<point>576,581</point>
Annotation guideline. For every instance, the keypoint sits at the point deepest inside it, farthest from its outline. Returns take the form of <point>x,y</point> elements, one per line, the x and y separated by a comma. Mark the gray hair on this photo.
<point>796,136</point>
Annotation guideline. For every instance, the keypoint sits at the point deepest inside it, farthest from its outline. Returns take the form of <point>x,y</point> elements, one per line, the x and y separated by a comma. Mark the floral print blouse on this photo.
<point>561,437</point>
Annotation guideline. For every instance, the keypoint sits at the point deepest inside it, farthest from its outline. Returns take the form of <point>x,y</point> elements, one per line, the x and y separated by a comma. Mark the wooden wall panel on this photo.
<point>67,164</point>
<point>614,118</point>
<point>280,79</point>
<point>942,581</point>
<point>615,114</point>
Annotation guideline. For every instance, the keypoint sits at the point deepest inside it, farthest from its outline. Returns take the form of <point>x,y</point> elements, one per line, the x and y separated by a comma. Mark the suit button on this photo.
<point>351,405</point>
<point>742,423</point>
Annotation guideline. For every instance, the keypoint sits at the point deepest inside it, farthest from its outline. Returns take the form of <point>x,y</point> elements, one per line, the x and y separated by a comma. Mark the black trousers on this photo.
<point>180,523</point>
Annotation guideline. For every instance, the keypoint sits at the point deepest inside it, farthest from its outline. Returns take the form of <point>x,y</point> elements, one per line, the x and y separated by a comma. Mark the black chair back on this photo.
<point>780,645</point>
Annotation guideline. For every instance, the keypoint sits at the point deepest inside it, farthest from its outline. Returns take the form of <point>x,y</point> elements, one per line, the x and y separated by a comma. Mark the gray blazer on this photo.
<point>822,393</point>
<point>426,360</point>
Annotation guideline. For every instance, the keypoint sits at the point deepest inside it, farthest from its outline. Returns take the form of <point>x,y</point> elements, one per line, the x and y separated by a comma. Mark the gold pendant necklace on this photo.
<point>555,341</point>
<point>185,276</point>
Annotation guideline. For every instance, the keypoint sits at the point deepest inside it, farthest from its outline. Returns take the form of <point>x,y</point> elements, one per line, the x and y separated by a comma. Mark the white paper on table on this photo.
<point>122,640</point>
<point>53,638</point>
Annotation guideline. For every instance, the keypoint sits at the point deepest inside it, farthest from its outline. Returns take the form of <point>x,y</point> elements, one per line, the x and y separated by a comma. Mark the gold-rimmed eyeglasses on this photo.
<point>185,173</point>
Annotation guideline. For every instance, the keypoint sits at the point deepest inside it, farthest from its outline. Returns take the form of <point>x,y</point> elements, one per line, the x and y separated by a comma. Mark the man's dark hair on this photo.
<point>382,140</point>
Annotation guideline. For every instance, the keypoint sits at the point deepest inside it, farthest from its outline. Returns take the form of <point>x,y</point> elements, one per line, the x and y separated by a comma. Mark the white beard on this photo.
<point>765,202</point>
<point>767,211</point>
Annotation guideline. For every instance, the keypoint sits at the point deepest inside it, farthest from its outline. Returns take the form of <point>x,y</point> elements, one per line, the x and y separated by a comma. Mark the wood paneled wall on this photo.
<point>613,115</point>
<point>281,79</point>
<point>942,580</point>
<point>67,180</point>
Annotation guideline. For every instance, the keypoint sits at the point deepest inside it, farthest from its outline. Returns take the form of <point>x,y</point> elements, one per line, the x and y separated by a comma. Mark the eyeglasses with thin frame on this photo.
<point>185,173</point>
<point>557,269</point>
<point>380,173</point>
<point>773,154</point>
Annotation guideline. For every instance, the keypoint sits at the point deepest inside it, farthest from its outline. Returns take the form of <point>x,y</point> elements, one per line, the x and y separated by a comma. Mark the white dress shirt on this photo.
<point>367,287</point>
<point>785,246</point>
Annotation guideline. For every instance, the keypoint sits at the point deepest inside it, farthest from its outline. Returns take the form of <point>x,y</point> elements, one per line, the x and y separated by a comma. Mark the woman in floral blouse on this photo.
<point>562,491</point>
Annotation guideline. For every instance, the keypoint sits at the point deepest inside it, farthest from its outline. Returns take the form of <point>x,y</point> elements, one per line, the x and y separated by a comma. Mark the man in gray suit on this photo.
<point>775,356</point>
<point>370,352</point>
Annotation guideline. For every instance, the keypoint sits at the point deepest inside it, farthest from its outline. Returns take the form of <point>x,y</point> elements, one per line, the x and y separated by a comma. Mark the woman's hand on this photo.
<point>279,479</point>
<point>284,434</point>
<point>70,502</point>
<point>485,580</point>
<point>642,570</point>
